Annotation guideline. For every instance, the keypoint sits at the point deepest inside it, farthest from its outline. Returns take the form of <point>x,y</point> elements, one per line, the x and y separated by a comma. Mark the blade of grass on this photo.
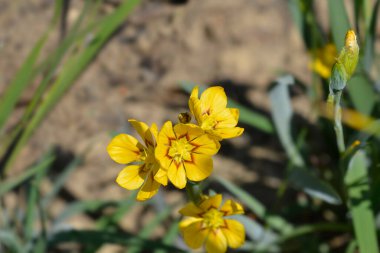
<point>370,39</point>
<point>26,73</point>
<point>282,112</point>
<point>338,21</point>
<point>14,182</point>
<point>357,185</point>
<point>273,221</point>
<point>246,116</point>
<point>362,94</point>
<point>72,70</point>
<point>10,241</point>
<point>32,199</point>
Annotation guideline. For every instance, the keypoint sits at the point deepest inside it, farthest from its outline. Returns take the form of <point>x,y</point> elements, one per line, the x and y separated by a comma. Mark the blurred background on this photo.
<point>143,69</point>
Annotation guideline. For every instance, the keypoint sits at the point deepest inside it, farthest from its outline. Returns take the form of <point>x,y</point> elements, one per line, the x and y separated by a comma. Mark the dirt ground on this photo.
<point>242,44</point>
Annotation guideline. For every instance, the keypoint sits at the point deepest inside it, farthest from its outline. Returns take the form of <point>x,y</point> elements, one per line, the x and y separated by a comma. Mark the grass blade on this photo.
<point>26,73</point>
<point>14,182</point>
<point>357,184</point>
<point>72,70</point>
<point>338,21</point>
<point>10,241</point>
<point>362,94</point>
<point>282,112</point>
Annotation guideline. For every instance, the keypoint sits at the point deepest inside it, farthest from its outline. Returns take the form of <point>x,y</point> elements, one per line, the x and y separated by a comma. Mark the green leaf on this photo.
<point>275,222</point>
<point>26,73</point>
<point>246,116</point>
<point>93,238</point>
<point>10,241</point>
<point>72,69</point>
<point>14,182</point>
<point>282,112</point>
<point>370,39</point>
<point>306,181</point>
<point>357,184</point>
<point>362,94</point>
<point>338,21</point>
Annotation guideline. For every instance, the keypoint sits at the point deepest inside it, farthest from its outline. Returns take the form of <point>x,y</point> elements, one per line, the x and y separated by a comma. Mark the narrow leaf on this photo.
<point>338,21</point>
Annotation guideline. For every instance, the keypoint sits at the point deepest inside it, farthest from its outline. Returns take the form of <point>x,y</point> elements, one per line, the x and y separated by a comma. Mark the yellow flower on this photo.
<point>207,225</point>
<point>212,114</point>
<point>324,60</point>
<point>184,152</point>
<point>125,149</point>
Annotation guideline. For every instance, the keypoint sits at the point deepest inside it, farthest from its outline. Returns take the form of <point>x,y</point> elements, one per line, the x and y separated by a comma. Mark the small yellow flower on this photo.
<point>207,225</point>
<point>324,60</point>
<point>125,149</point>
<point>212,114</point>
<point>184,152</point>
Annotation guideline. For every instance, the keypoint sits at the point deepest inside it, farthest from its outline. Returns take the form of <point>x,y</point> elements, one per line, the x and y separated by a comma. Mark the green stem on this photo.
<point>338,123</point>
<point>194,192</point>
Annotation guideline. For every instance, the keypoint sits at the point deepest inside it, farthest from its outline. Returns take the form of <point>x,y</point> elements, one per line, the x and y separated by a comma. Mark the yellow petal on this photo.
<point>131,177</point>
<point>166,134</point>
<point>186,222</point>
<point>205,144</point>
<point>144,131</point>
<point>200,168</point>
<point>161,176</point>
<point>190,209</point>
<point>211,202</point>
<point>225,119</point>
<point>235,113</point>
<point>194,235</point>
<point>194,92</point>
<point>213,100</point>
<point>196,109</point>
<point>154,130</point>
<point>216,242</point>
<point>124,149</point>
<point>177,175</point>
<point>149,188</point>
<point>234,233</point>
<point>227,133</point>
<point>231,207</point>
<point>161,153</point>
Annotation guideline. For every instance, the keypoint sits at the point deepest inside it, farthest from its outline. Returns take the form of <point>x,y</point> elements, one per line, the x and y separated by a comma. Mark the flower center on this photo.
<point>213,218</point>
<point>180,150</point>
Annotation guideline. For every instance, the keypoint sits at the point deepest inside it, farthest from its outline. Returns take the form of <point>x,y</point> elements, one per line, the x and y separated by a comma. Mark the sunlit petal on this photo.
<point>231,207</point>
<point>161,176</point>
<point>227,133</point>
<point>149,188</point>
<point>213,100</point>
<point>200,168</point>
<point>177,175</point>
<point>194,234</point>
<point>216,242</point>
<point>234,233</point>
<point>211,202</point>
<point>190,209</point>
<point>131,177</point>
<point>124,149</point>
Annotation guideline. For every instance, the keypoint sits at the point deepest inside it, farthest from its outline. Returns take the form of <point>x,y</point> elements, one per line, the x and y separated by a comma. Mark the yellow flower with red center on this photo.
<point>207,225</point>
<point>126,149</point>
<point>212,114</point>
<point>185,152</point>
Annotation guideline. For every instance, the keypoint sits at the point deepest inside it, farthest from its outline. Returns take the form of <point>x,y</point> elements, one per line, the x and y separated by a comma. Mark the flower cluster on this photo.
<point>180,153</point>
